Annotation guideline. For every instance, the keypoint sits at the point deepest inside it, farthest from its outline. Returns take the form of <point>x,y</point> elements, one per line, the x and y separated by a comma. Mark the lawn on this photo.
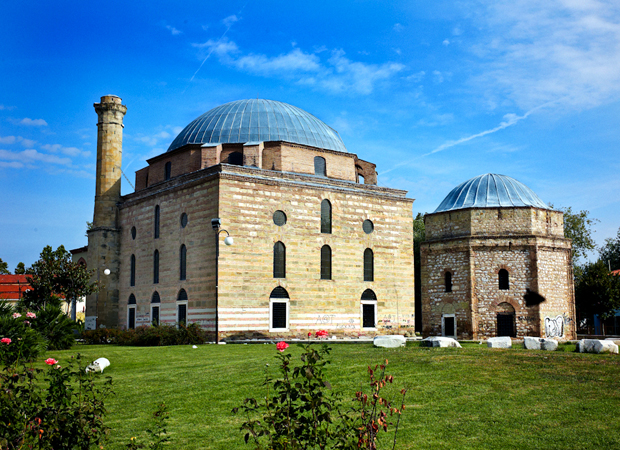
<point>469,398</point>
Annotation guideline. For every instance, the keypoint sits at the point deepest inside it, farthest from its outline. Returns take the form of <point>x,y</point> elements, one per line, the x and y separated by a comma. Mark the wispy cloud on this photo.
<point>29,122</point>
<point>69,151</point>
<point>173,30</point>
<point>31,156</point>
<point>536,51</point>
<point>5,107</point>
<point>446,42</point>
<point>8,139</point>
<point>398,27</point>
<point>335,73</point>
<point>228,21</point>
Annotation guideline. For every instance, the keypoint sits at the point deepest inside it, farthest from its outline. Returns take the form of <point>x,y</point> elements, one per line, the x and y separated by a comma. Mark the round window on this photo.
<point>368,226</point>
<point>279,218</point>
<point>183,220</point>
<point>133,232</point>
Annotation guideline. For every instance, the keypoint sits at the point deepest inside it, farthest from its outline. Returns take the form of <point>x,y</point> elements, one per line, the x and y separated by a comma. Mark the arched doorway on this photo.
<point>506,320</point>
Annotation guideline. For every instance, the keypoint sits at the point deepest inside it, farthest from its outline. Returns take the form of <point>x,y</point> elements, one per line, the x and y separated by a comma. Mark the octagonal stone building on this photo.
<point>490,241</point>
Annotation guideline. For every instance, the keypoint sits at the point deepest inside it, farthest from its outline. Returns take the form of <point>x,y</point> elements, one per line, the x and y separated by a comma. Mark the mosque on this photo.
<point>258,222</point>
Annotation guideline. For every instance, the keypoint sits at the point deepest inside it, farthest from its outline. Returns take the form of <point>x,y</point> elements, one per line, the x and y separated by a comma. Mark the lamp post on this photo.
<point>216,224</point>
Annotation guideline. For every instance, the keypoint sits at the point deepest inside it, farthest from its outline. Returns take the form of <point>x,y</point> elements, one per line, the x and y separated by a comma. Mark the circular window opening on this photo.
<point>368,226</point>
<point>133,232</point>
<point>183,220</point>
<point>279,218</point>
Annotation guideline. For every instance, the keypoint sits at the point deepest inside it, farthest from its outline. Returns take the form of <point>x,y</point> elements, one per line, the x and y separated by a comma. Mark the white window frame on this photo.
<point>135,315</point>
<point>368,302</point>
<point>182,302</point>
<point>157,305</point>
<point>443,325</point>
<point>288,310</point>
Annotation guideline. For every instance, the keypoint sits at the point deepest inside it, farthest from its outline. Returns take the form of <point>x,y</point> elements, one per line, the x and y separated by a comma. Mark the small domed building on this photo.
<point>490,241</point>
<point>316,244</point>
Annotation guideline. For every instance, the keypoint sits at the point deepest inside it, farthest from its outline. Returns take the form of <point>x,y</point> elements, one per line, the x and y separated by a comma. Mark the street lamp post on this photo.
<point>216,224</point>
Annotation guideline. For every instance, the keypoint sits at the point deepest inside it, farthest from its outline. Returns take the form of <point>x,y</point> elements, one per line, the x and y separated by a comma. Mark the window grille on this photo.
<point>368,316</point>
<point>279,260</point>
<point>326,263</point>
<point>326,217</point>
<point>278,315</point>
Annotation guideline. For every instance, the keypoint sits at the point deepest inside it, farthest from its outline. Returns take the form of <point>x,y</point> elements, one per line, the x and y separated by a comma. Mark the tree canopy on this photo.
<point>610,252</point>
<point>597,291</point>
<point>55,277</point>
<point>578,228</point>
<point>4,268</point>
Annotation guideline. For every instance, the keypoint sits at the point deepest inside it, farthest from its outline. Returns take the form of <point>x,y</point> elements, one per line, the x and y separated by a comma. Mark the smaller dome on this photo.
<point>490,191</point>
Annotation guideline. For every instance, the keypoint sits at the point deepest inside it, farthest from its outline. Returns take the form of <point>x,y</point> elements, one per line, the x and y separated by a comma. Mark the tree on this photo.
<point>597,291</point>
<point>4,268</point>
<point>55,277</point>
<point>419,236</point>
<point>610,252</point>
<point>577,227</point>
<point>20,269</point>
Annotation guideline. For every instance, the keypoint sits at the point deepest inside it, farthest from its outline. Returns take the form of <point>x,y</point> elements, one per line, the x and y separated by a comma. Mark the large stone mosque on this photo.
<point>258,222</point>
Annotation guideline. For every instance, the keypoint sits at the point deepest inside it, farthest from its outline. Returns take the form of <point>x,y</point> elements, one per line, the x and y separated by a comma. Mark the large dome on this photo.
<point>257,120</point>
<point>488,191</point>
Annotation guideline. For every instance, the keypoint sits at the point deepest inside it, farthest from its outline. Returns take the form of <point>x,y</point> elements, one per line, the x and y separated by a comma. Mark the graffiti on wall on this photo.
<point>328,319</point>
<point>554,326</point>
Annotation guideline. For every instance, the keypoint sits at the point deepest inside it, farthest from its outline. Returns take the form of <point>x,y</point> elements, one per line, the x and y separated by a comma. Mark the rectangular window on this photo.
<point>131,317</point>
<point>155,315</point>
<point>182,313</point>
<point>369,314</point>
<point>279,313</point>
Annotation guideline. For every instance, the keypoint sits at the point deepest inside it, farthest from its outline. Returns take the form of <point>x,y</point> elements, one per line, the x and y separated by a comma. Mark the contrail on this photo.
<point>213,48</point>
<point>509,120</point>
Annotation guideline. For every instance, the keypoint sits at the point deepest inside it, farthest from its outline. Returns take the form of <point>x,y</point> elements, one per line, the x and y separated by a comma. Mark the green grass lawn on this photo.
<point>469,398</point>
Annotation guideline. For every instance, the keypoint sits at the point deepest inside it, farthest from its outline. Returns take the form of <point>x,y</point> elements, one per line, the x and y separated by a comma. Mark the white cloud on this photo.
<point>173,30</point>
<point>8,139</point>
<point>3,107</point>
<point>70,151</point>
<point>446,42</point>
<point>28,143</point>
<point>437,77</point>
<point>534,52</point>
<point>398,27</point>
<point>32,156</point>
<point>31,122</point>
<point>11,165</point>
<point>335,74</point>
<point>416,77</point>
<point>228,21</point>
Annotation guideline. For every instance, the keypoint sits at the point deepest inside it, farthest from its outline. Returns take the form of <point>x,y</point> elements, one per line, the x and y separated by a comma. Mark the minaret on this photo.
<point>104,236</point>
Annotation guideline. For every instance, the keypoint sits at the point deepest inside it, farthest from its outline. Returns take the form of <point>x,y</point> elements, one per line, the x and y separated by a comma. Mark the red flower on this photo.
<point>50,361</point>
<point>321,333</point>
<point>281,346</point>
<point>31,315</point>
<point>309,334</point>
<point>6,341</point>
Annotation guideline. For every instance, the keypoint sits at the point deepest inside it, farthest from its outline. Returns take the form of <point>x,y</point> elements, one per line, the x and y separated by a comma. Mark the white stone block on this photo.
<point>535,343</point>
<point>499,342</point>
<point>391,341</point>
<point>596,346</point>
<point>98,365</point>
<point>440,341</point>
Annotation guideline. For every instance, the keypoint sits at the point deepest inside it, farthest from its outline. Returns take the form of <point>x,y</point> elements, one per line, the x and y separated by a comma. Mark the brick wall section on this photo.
<point>476,244</point>
<point>245,199</point>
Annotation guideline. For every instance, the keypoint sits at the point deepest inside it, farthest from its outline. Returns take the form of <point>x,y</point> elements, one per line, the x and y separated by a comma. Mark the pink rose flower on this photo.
<point>6,341</point>
<point>321,333</point>
<point>281,346</point>
<point>16,315</point>
<point>50,361</point>
<point>31,315</point>
<point>27,322</point>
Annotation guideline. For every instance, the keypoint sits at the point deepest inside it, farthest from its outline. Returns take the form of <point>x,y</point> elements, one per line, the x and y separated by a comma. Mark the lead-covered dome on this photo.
<point>258,120</point>
<point>488,191</point>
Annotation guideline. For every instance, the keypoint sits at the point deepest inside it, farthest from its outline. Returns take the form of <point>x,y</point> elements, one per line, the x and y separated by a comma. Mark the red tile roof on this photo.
<point>12,287</point>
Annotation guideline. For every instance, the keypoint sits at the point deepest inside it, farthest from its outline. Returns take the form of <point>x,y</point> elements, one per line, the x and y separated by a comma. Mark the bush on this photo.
<point>25,343</point>
<point>145,336</point>
<point>64,413</point>
<point>56,327</point>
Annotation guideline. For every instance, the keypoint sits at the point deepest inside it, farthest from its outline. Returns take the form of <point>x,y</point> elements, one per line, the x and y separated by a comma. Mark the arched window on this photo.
<point>319,166</point>
<point>183,262</point>
<point>278,309</point>
<point>167,170</point>
<point>156,228</point>
<point>156,267</point>
<point>504,282</point>
<point>182,307</point>
<point>131,312</point>
<point>326,216</point>
<point>155,301</point>
<point>369,309</point>
<point>279,260</point>
<point>235,158</point>
<point>132,271</point>
<point>326,262</point>
<point>448,281</point>
<point>369,265</point>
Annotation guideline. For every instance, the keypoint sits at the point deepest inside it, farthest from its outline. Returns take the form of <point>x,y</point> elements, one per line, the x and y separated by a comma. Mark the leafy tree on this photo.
<point>20,269</point>
<point>54,277</point>
<point>419,236</point>
<point>578,228</point>
<point>610,252</point>
<point>597,291</point>
<point>4,268</point>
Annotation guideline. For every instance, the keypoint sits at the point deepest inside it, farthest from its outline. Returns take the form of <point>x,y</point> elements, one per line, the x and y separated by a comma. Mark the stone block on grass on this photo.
<point>596,346</point>
<point>499,342</point>
<point>391,341</point>
<point>535,343</point>
<point>440,341</point>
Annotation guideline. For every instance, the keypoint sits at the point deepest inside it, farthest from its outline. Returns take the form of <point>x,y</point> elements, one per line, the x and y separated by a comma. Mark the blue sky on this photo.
<point>434,93</point>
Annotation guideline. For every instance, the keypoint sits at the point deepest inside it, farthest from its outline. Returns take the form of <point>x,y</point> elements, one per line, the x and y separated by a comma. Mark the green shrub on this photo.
<point>101,336</point>
<point>56,327</point>
<point>148,336</point>
<point>25,343</point>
